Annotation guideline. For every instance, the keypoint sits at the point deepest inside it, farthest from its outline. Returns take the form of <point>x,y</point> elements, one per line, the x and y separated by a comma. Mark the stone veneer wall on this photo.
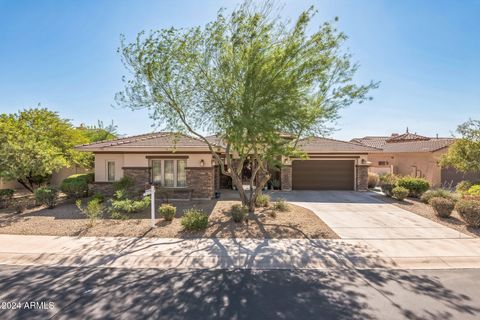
<point>105,188</point>
<point>362,177</point>
<point>286,177</point>
<point>140,176</point>
<point>201,180</point>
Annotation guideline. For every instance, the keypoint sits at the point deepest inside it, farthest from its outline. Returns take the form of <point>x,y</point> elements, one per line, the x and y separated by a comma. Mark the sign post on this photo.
<point>151,193</point>
<point>152,204</point>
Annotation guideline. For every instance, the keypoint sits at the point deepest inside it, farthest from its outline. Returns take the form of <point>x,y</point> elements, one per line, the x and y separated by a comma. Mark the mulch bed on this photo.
<point>424,210</point>
<point>67,220</point>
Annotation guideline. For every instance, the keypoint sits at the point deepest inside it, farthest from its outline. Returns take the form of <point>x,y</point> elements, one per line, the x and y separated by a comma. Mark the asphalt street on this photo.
<point>110,293</point>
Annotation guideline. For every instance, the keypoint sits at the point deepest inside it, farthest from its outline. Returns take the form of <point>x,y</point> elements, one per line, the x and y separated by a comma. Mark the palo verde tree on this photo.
<point>249,77</point>
<point>464,153</point>
<point>34,143</point>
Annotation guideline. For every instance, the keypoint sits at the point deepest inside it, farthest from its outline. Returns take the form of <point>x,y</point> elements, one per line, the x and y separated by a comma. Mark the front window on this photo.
<point>110,170</point>
<point>181,175</point>
<point>157,171</point>
<point>169,173</point>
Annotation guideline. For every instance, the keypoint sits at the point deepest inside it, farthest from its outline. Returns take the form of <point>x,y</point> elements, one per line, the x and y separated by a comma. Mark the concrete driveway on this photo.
<point>359,215</point>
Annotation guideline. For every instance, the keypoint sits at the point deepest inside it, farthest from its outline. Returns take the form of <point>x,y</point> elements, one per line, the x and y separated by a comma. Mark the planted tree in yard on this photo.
<point>34,143</point>
<point>247,77</point>
<point>464,154</point>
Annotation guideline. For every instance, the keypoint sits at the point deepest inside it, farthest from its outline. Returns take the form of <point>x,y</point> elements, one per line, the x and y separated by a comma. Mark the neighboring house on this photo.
<point>414,155</point>
<point>184,167</point>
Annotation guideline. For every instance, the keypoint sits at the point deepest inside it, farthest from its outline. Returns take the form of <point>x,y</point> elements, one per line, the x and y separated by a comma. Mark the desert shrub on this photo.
<point>387,189</point>
<point>6,196</point>
<point>262,200</point>
<point>438,193</point>
<point>6,193</point>
<point>373,180</point>
<point>400,193</point>
<point>130,206</point>
<point>388,178</point>
<point>474,190</point>
<point>47,196</point>
<point>194,219</point>
<point>98,196</point>
<point>239,212</point>
<point>463,186</point>
<point>469,210</point>
<point>123,188</point>
<point>443,207</point>
<point>280,205</point>
<point>276,184</point>
<point>415,186</point>
<point>93,210</point>
<point>167,211</point>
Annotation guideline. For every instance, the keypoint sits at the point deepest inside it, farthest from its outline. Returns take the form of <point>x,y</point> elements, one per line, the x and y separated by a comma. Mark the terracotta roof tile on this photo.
<point>319,144</point>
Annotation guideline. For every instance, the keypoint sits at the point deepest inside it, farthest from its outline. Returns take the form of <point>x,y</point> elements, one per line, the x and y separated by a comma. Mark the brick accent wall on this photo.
<point>140,176</point>
<point>362,177</point>
<point>201,180</point>
<point>286,177</point>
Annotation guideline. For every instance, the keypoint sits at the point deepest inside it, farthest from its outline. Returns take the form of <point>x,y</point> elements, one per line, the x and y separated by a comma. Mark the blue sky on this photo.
<point>426,54</point>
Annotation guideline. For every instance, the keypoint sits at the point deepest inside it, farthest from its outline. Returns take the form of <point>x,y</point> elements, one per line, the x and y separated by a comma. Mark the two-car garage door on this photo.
<point>323,174</point>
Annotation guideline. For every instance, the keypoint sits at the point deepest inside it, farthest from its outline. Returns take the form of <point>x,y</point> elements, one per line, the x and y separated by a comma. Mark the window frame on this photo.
<point>107,172</point>
<point>162,172</point>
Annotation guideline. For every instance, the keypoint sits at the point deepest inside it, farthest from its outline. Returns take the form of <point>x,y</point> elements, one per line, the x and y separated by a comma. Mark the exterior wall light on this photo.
<point>202,163</point>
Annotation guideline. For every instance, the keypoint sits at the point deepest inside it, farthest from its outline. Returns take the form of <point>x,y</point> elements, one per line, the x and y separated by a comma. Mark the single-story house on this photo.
<point>414,155</point>
<point>184,167</point>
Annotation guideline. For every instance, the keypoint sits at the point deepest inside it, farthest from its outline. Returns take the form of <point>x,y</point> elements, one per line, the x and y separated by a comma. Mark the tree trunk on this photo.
<point>29,188</point>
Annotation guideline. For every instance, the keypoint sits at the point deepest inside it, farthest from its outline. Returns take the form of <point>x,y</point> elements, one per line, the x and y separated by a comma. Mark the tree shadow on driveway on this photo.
<point>99,293</point>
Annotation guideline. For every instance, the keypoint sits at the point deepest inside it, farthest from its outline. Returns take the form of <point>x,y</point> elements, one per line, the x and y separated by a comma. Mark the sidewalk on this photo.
<point>239,253</point>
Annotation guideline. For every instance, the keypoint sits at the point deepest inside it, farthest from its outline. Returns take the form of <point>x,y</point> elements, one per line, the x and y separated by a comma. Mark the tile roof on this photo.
<point>418,145</point>
<point>327,145</point>
<point>155,139</point>
<point>407,142</point>
<point>407,137</point>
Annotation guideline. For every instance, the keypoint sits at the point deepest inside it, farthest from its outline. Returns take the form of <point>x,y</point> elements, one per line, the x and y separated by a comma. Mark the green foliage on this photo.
<point>464,153</point>
<point>469,210</point>
<point>76,186</point>
<point>100,132</point>
<point>6,193</point>
<point>47,196</point>
<point>246,76</point>
<point>438,193</point>
<point>194,220</point>
<point>400,193</point>
<point>280,205</point>
<point>474,190</point>
<point>35,143</point>
<point>130,206</point>
<point>123,188</point>
<point>276,184</point>
<point>443,207</point>
<point>99,197</point>
<point>388,179</point>
<point>262,200</point>
<point>463,186</point>
<point>238,212</point>
<point>93,210</point>
<point>373,180</point>
<point>415,186</point>
<point>167,211</point>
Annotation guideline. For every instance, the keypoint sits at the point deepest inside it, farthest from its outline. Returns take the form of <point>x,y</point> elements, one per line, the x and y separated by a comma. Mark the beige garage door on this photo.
<point>323,174</point>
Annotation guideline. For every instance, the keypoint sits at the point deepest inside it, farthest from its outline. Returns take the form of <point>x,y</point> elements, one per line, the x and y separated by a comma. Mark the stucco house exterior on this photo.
<point>184,167</point>
<point>414,155</point>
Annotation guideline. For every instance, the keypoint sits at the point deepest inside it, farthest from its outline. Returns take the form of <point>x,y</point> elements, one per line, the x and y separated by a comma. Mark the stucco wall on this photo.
<point>140,160</point>
<point>418,164</point>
